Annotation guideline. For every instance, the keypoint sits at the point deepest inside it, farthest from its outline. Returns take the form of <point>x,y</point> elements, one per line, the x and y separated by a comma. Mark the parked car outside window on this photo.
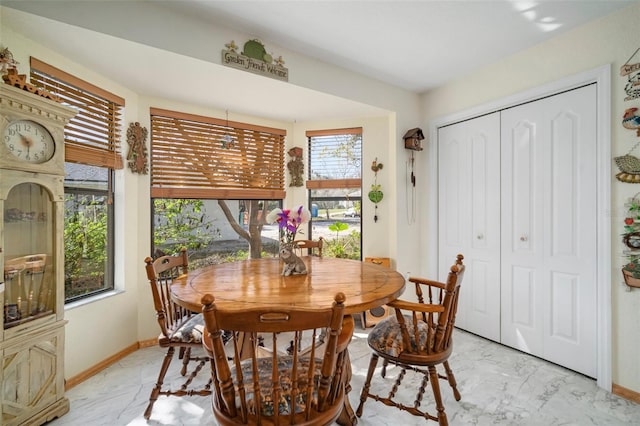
<point>351,212</point>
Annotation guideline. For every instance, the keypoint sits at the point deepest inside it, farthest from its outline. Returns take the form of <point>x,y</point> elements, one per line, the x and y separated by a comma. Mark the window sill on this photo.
<point>92,299</point>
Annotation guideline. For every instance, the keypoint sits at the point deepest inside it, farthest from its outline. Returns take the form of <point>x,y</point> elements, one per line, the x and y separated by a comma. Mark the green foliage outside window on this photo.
<point>343,247</point>
<point>85,240</point>
<point>181,223</point>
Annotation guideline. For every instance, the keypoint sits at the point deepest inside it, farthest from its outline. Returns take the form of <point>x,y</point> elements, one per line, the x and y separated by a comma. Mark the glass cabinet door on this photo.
<point>28,254</point>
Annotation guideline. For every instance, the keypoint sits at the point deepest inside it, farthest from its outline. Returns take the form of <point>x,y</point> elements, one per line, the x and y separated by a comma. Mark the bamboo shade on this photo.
<point>190,160</point>
<point>93,136</point>
<point>335,158</point>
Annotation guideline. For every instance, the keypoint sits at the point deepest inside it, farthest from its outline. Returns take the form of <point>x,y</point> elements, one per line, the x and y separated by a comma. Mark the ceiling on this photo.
<point>414,45</point>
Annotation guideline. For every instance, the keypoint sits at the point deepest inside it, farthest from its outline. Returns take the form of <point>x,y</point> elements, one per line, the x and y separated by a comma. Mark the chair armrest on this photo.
<point>207,344</point>
<point>414,306</point>
<point>425,281</point>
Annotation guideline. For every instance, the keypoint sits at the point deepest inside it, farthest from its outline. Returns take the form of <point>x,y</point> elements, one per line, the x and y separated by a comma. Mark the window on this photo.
<point>212,183</point>
<point>92,153</point>
<point>88,225</point>
<point>335,190</point>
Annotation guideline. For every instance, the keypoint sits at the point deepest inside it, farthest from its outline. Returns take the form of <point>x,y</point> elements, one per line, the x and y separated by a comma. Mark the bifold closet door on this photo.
<point>469,218</point>
<point>548,279</point>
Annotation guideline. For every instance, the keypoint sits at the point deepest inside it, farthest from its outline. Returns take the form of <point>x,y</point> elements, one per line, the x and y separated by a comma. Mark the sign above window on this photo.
<point>254,58</point>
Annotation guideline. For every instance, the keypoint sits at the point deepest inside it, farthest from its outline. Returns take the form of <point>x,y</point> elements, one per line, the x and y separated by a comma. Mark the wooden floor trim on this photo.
<point>79,378</point>
<point>625,393</point>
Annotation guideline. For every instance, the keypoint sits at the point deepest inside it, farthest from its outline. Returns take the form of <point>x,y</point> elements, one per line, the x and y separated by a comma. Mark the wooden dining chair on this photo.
<point>419,335</point>
<point>313,247</point>
<point>284,384</point>
<point>179,328</point>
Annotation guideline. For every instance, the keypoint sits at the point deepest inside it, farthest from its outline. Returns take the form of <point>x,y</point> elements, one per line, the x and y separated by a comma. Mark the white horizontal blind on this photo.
<point>335,158</point>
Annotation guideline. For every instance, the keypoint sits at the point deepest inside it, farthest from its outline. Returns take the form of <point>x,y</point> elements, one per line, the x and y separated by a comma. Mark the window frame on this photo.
<point>110,243</point>
<point>340,183</point>
<point>92,138</point>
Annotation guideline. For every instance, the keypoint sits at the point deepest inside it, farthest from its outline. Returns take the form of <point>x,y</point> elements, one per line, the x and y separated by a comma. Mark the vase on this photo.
<point>630,280</point>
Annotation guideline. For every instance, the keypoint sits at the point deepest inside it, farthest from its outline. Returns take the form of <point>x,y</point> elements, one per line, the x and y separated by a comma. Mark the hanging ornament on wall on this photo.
<point>227,140</point>
<point>632,72</point>
<point>296,166</point>
<point>628,164</point>
<point>375,195</point>
<point>137,156</point>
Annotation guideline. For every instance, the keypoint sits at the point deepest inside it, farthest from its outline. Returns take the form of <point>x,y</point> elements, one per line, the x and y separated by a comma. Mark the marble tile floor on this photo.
<point>499,386</point>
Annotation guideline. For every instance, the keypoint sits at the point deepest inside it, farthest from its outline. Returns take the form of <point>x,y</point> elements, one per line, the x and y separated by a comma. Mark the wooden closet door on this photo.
<point>548,278</point>
<point>469,218</point>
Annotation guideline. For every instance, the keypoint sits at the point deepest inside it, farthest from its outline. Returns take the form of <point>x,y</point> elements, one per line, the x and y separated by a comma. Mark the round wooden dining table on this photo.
<point>259,283</point>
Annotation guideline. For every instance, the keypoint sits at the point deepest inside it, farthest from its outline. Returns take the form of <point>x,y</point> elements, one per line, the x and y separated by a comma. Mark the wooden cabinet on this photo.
<point>32,257</point>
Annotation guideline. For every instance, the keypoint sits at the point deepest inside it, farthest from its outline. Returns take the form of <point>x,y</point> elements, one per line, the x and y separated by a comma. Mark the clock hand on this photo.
<point>25,140</point>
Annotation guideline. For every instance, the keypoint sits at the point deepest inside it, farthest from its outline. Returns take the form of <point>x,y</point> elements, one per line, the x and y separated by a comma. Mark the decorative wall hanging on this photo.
<point>137,156</point>
<point>632,71</point>
<point>413,139</point>
<point>296,166</point>
<point>375,195</point>
<point>628,164</point>
<point>631,120</point>
<point>254,58</point>
<point>227,140</point>
<point>631,240</point>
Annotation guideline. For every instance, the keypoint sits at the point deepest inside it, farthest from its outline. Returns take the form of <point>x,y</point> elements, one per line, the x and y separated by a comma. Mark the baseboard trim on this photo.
<point>625,393</point>
<point>79,378</point>
<point>147,343</point>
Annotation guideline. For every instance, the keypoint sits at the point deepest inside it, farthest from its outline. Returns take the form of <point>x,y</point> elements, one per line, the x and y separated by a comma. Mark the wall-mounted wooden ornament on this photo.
<point>137,156</point>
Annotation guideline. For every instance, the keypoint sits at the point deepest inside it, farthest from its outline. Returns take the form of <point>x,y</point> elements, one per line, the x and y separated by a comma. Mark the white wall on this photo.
<point>609,40</point>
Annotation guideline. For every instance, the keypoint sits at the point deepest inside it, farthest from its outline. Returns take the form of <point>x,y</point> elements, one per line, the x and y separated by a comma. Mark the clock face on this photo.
<point>29,141</point>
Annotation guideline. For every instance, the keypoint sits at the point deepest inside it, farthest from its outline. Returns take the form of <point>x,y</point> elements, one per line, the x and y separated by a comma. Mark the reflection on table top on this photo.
<point>258,282</point>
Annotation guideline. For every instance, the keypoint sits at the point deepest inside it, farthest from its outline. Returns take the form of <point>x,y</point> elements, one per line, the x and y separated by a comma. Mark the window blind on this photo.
<point>191,158</point>
<point>93,136</point>
<point>335,158</point>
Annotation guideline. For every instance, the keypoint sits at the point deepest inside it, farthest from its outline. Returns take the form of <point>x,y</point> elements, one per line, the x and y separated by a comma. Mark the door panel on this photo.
<point>549,226</point>
<point>469,218</point>
<point>564,309</point>
<point>521,235</point>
